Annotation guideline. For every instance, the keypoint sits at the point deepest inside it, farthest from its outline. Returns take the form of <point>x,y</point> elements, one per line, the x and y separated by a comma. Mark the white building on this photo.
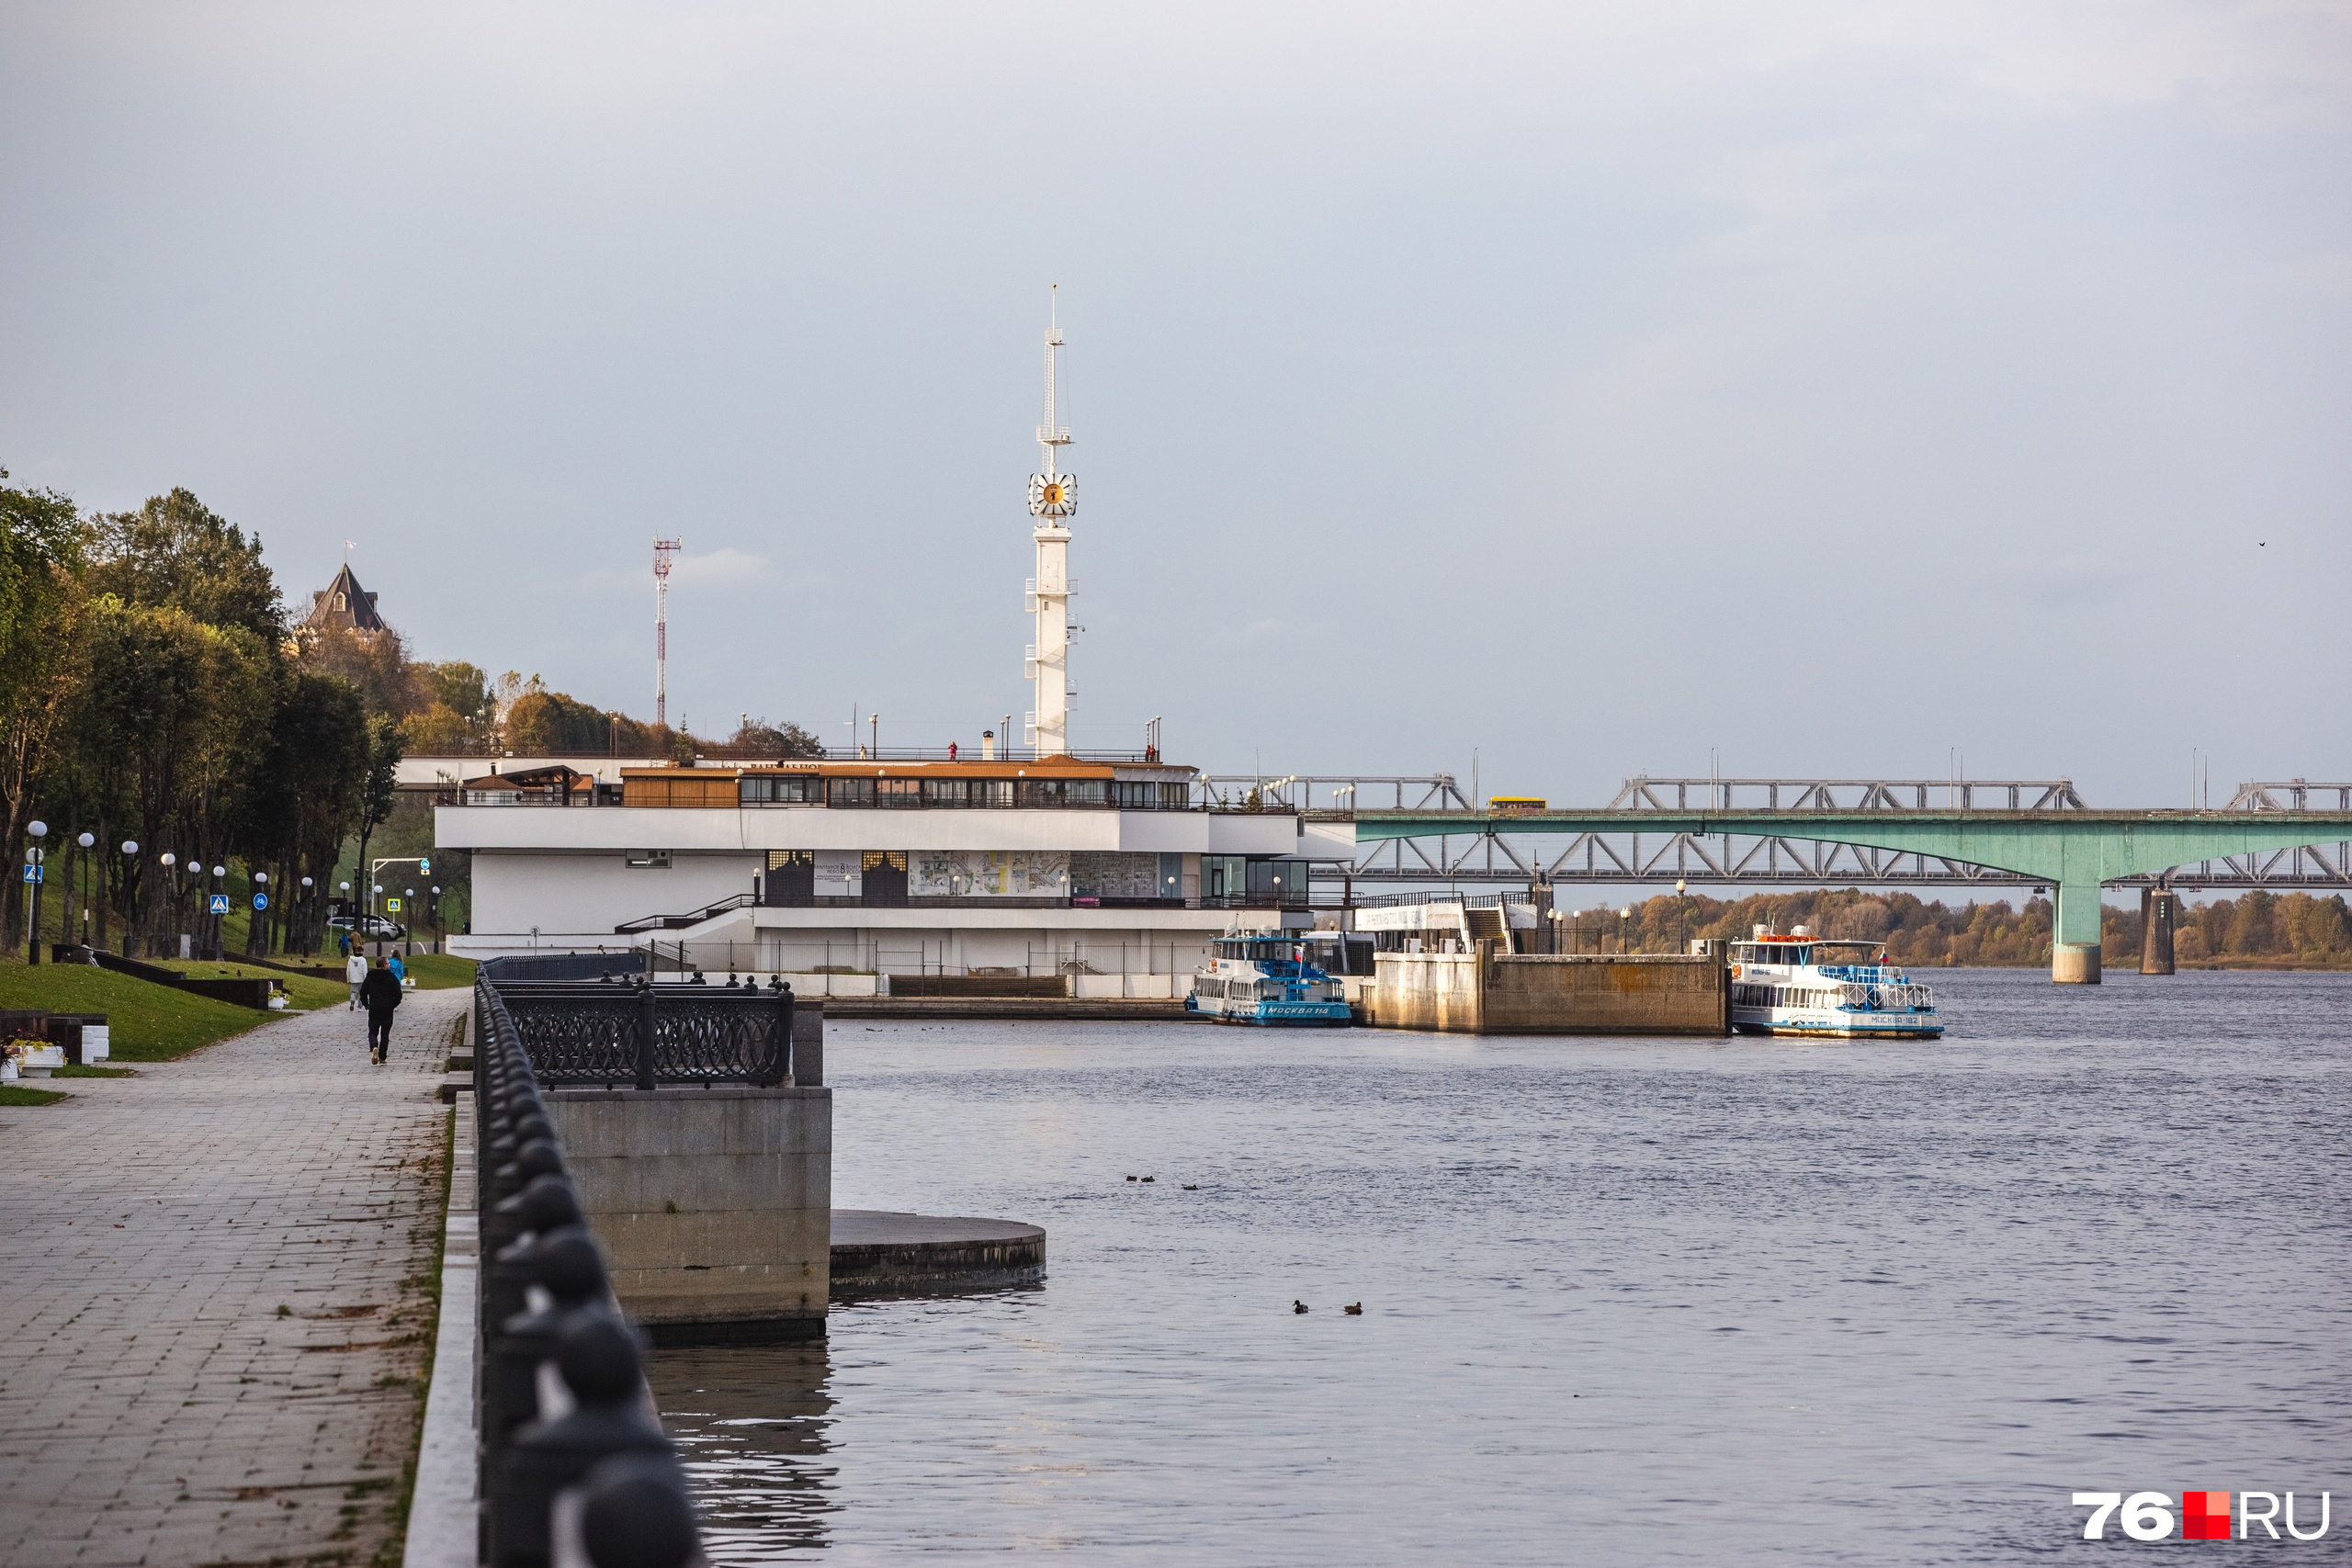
<point>1111,872</point>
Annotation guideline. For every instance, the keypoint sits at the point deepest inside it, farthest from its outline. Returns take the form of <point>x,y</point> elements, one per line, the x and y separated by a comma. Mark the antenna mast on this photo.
<point>662,550</point>
<point>1053,498</point>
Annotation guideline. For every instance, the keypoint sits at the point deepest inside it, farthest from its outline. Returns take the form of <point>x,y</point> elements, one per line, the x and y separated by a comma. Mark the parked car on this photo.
<point>367,928</point>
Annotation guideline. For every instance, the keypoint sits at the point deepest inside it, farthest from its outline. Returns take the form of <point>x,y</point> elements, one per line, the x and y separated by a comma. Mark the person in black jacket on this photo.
<point>379,994</point>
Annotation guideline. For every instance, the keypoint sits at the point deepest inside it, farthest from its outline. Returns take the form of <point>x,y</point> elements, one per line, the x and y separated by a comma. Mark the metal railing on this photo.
<point>570,1448</point>
<point>647,1035</point>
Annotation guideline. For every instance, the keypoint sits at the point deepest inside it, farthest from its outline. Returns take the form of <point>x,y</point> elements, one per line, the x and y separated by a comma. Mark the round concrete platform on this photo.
<point>877,1252</point>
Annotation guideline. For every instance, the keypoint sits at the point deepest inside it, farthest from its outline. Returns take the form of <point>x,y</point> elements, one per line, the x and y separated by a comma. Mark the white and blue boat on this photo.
<point>1265,978</point>
<point>1798,985</point>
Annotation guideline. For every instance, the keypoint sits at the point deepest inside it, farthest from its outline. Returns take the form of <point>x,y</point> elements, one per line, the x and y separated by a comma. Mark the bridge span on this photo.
<point>1906,833</point>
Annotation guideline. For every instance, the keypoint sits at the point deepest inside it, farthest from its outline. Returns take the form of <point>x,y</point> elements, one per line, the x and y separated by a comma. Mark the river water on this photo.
<point>1624,1301</point>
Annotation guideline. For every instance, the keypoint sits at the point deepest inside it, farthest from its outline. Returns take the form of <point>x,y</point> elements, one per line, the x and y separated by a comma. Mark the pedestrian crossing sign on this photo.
<point>32,874</point>
<point>220,903</point>
<point>391,906</point>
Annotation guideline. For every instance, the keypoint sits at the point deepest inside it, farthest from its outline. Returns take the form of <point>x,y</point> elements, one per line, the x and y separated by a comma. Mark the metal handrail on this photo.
<point>646,1036</point>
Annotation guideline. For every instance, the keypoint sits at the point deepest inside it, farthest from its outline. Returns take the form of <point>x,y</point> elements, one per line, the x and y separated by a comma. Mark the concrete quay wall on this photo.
<point>713,1205</point>
<point>1491,993</point>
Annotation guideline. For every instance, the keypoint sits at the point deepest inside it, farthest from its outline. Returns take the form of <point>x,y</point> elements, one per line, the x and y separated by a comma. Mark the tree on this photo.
<point>758,738</point>
<point>379,787</point>
<point>374,664</point>
<point>175,551</point>
<point>41,600</point>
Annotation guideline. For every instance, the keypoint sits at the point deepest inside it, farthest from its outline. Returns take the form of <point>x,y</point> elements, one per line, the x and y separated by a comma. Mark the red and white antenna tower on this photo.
<point>662,550</point>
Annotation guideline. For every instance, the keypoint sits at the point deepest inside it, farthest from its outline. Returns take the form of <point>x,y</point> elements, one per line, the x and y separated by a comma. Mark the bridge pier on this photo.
<point>2073,948</point>
<point>2159,907</point>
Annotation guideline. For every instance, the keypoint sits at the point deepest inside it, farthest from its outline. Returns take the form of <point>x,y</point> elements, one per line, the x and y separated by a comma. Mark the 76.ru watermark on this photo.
<point>2204,1516</point>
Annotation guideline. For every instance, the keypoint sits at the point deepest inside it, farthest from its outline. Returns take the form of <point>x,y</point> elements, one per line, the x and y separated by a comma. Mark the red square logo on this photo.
<point>2205,1515</point>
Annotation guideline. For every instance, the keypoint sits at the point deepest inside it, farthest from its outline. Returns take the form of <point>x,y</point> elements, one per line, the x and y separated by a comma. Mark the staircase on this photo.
<point>1484,923</point>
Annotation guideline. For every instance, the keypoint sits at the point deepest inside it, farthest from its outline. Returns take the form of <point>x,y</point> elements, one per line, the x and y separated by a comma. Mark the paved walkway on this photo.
<point>214,1299</point>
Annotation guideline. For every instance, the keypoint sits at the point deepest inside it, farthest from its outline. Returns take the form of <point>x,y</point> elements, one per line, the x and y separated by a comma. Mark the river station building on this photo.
<point>1116,873</point>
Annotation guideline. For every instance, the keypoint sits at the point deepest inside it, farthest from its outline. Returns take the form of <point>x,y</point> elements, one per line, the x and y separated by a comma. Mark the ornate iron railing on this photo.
<point>649,1035</point>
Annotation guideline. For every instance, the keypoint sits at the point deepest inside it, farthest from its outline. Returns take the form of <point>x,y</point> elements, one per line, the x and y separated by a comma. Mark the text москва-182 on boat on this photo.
<point>1801,984</point>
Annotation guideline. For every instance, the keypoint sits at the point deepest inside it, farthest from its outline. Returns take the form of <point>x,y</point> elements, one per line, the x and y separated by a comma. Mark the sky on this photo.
<point>1810,389</point>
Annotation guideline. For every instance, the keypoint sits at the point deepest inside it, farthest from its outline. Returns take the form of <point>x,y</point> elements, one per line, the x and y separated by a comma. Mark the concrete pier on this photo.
<point>1489,992</point>
<point>2159,910</point>
<point>877,1252</point>
<point>713,1205</point>
<point>2073,963</point>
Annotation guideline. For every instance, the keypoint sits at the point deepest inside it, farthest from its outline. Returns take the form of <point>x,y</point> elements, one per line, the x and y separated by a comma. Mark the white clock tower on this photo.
<point>1052,500</point>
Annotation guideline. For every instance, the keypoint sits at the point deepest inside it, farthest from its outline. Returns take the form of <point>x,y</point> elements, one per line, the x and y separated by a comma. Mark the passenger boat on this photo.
<point>1801,985</point>
<point>1264,978</point>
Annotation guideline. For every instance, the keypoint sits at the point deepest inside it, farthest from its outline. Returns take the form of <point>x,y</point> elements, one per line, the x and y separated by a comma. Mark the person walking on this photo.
<point>380,993</point>
<point>355,969</point>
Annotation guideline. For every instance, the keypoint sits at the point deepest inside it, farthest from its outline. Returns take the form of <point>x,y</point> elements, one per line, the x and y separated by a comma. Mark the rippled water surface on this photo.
<point>1624,1301</point>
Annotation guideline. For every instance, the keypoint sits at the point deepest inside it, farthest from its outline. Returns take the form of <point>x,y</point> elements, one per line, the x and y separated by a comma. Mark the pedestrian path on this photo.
<point>215,1298</point>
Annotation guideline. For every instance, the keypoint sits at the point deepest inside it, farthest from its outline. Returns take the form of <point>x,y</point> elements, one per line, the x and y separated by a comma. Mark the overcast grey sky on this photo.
<point>1831,385</point>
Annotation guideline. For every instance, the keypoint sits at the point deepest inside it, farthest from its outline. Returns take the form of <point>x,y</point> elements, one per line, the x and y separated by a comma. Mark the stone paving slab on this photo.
<point>215,1298</point>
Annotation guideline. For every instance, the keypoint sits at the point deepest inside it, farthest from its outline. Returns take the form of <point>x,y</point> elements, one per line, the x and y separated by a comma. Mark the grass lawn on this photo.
<point>17,1094</point>
<point>146,1023</point>
<point>303,992</point>
<point>81,1070</point>
<point>439,971</point>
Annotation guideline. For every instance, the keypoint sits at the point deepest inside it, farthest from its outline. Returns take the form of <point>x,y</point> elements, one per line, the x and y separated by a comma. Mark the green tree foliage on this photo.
<point>175,551</point>
<point>41,601</point>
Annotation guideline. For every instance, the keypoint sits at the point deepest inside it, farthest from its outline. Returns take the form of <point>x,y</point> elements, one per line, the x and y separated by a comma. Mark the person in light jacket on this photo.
<point>379,994</point>
<point>355,969</point>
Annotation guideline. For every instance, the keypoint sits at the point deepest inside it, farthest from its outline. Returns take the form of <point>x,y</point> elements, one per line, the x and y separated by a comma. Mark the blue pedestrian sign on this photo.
<point>261,901</point>
<point>220,903</point>
<point>32,874</point>
<point>425,867</point>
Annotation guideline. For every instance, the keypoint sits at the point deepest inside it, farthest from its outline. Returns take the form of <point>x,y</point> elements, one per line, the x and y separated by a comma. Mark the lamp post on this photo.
<point>372,897</point>
<point>1624,929</point>
<point>308,892</point>
<point>435,909</point>
<point>256,928</point>
<point>351,940</point>
<point>34,855</point>
<point>219,921</point>
<point>130,890</point>
<point>408,931</point>
<point>81,880</point>
<point>171,880</point>
<point>1682,914</point>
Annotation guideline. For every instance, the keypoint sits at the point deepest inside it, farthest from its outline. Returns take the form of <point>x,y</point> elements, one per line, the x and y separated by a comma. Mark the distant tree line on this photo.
<point>2255,927</point>
<point>154,691</point>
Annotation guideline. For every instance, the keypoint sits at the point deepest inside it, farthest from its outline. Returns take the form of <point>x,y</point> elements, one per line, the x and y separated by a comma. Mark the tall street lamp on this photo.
<point>436,910</point>
<point>130,891</point>
<point>34,872</point>
<point>407,927</point>
<point>308,893</point>
<point>219,920</point>
<point>171,881</point>
<point>81,879</point>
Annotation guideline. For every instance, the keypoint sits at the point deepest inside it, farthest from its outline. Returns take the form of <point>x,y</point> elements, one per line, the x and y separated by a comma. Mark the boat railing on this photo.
<point>1865,974</point>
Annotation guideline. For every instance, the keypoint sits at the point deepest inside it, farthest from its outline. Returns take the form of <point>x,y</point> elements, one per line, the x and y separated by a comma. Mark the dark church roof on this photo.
<point>345,603</point>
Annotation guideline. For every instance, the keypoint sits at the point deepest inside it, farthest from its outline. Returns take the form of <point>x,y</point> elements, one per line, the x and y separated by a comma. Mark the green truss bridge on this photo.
<point>1903,832</point>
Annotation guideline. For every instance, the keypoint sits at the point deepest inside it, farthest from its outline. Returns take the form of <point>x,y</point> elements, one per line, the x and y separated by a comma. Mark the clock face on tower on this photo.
<point>1055,497</point>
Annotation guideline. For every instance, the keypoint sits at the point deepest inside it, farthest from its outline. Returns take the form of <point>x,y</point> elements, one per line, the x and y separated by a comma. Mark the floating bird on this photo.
<point>1191,1187</point>
<point>1298,1306</point>
<point>1151,1178</point>
<point>1131,1179</point>
<point>1354,1311</point>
